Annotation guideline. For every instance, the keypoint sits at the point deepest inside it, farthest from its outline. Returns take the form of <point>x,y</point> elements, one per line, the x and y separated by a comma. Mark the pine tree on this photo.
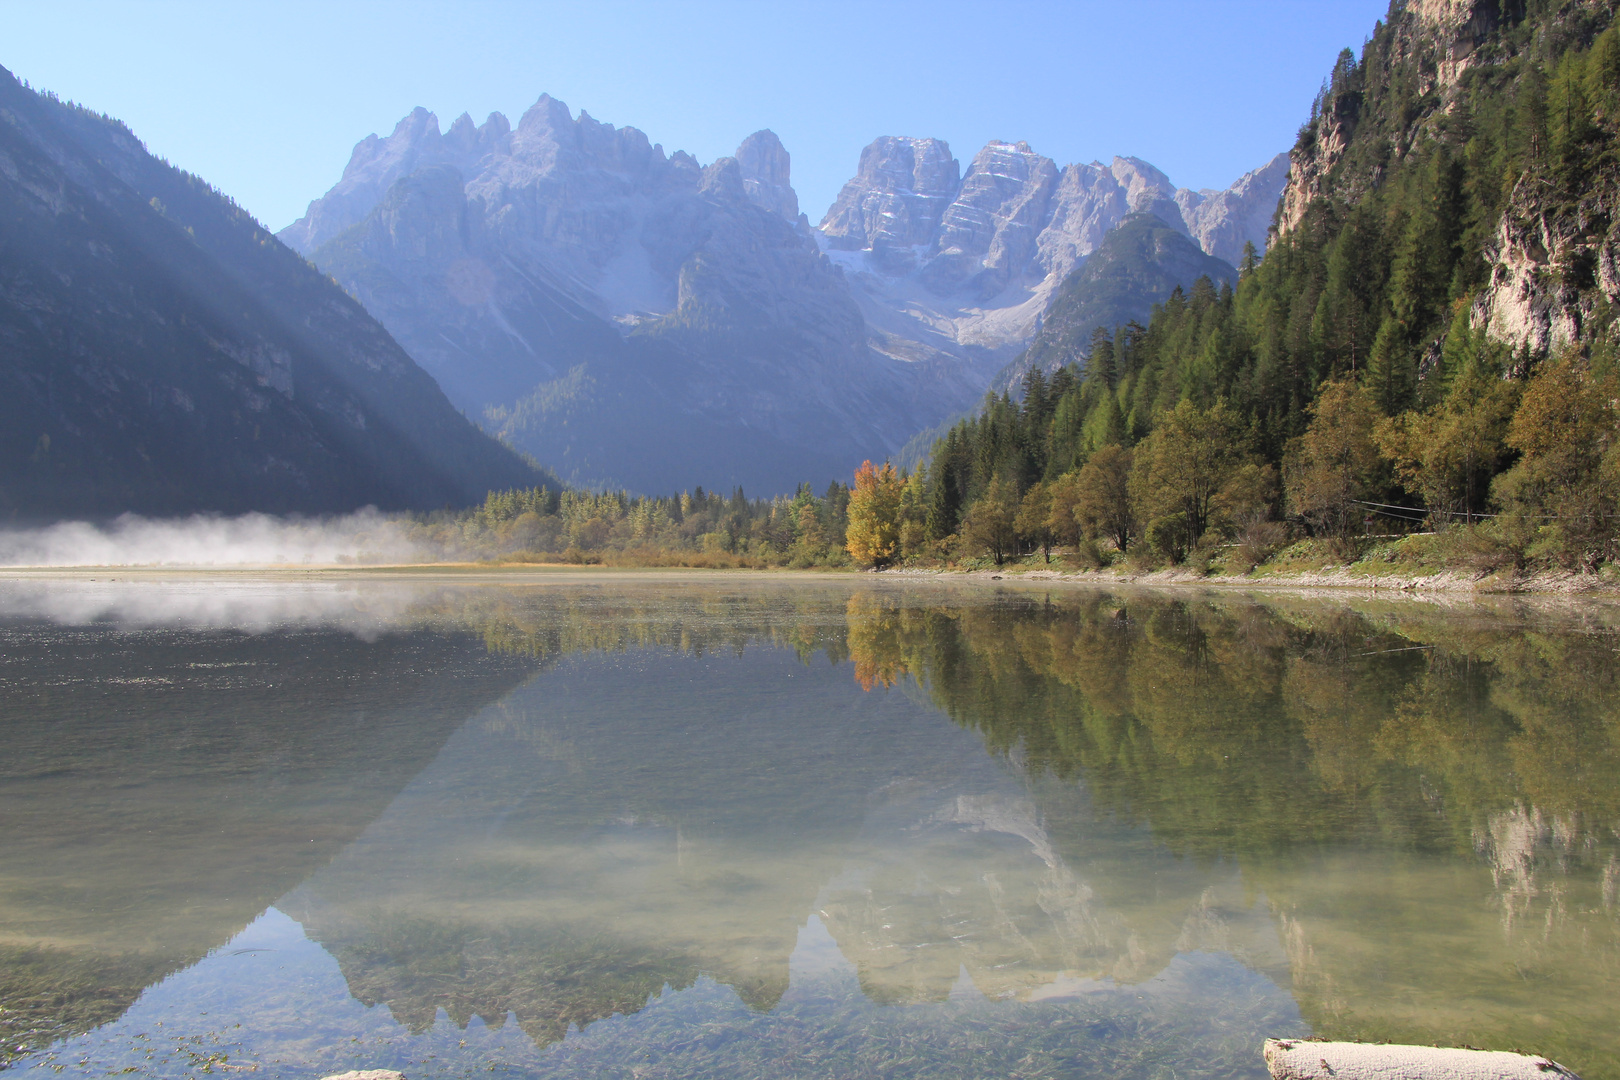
<point>945,503</point>
<point>1250,260</point>
<point>1100,360</point>
<point>1391,373</point>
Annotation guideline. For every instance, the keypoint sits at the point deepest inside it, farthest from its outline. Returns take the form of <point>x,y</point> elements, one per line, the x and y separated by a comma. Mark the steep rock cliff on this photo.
<point>1546,251</point>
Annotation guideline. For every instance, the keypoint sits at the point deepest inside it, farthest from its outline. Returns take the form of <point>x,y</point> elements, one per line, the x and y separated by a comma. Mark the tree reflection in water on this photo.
<point>1403,814</point>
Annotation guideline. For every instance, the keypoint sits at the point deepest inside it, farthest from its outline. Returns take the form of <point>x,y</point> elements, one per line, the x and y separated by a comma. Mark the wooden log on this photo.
<point>1306,1059</point>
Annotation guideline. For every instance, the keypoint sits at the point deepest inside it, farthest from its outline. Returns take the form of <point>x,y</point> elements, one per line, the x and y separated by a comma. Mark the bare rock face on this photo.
<point>1093,199</point>
<point>988,234</point>
<point>966,268</point>
<point>1459,27</point>
<point>766,168</point>
<point>1087,205</point>
<point>1223,221</point>
<point>900,192</point>
<point>1147,190</point>
<point>1525,304</point>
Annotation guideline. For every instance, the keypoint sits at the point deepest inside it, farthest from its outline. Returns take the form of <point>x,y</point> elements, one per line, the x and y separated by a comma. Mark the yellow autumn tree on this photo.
<point>873,536</point>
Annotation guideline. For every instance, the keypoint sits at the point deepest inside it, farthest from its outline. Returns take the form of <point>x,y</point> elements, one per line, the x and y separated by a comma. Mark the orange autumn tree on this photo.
<point>874,514</point>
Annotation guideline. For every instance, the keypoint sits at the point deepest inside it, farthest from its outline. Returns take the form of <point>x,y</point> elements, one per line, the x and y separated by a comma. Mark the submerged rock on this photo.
<point>1302,1059</point>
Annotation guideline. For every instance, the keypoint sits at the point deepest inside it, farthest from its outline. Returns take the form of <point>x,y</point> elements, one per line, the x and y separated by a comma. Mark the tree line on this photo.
<point>693,528</point>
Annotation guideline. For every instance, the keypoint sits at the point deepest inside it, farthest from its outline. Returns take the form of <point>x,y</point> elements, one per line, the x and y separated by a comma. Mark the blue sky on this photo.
<point>266,100</point>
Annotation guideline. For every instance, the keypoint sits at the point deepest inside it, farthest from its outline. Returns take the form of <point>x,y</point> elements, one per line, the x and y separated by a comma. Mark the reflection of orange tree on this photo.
<point>874,641</point>
<point>888,638</point>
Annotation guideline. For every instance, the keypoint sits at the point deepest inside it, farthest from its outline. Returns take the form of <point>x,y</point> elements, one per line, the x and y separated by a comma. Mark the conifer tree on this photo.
<point>1391,374</point>
<point>1100,361</point>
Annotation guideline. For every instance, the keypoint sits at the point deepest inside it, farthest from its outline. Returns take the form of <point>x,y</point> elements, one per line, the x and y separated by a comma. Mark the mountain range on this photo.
<point>473,300</point>
<point>965,265</point>
<point>635,318</point>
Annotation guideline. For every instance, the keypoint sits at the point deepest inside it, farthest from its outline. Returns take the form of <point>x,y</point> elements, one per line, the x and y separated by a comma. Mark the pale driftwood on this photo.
<point>367,1074</point>
<point>1303,1059</point>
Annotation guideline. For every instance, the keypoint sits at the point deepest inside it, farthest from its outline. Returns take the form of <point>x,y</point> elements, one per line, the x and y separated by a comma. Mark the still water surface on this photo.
<point>704,827</point>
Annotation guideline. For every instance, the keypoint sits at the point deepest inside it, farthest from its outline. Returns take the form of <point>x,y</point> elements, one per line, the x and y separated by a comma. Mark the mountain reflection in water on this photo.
<point>693,828</point>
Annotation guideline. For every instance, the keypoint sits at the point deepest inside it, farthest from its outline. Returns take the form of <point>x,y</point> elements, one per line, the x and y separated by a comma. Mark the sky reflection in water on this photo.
<point>612,827</point>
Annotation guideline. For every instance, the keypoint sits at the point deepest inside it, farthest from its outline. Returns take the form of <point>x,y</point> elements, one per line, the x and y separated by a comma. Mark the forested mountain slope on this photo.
<point>161,352</point>
<point>1137,267</point>
<point>1432,326</point>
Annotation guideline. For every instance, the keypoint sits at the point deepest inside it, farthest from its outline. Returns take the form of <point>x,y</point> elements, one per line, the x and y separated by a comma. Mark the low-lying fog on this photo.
<point>250,540</point>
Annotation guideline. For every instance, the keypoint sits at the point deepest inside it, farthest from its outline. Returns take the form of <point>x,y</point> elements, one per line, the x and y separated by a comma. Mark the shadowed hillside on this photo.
<point>161,352</point>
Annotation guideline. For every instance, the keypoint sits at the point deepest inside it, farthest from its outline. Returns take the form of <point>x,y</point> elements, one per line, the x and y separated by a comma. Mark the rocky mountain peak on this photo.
<point>896,199</point>
<point>988,234</point>
<point>549,139</point>
<point>767,173</point>
<point>966,267</point>
<point>546,114</point>
<point>377,163</point>
<point>463,133</point>
<point>724,180</point>
<point>624,313</point>
<point>1147,190</point>
<point>1224,221</point>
